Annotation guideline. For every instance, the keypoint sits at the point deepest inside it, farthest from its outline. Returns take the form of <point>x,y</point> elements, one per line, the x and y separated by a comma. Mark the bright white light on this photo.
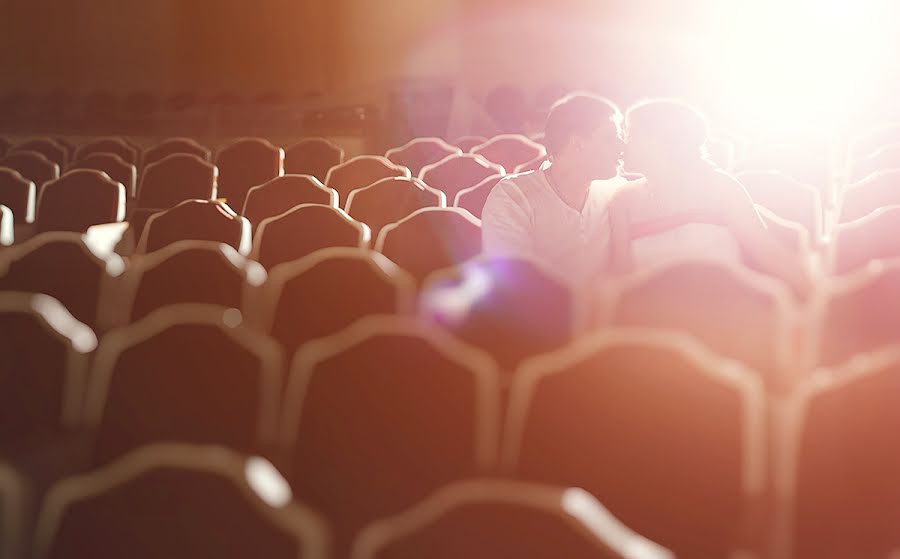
<point>268,484</point>
<point>451,304</point>
<point>789,66</point>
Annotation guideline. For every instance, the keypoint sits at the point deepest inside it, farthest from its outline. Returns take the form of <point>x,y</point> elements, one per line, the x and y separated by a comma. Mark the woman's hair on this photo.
<point>577,114</point>
<point>681,128</point>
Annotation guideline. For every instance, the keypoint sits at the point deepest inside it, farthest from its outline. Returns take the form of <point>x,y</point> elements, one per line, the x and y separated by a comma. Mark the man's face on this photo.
<point>601,152</point>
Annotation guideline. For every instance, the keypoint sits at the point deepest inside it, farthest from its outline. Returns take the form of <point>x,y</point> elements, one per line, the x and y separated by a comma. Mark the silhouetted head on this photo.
<point>583,132</point>
<point>663,135</point>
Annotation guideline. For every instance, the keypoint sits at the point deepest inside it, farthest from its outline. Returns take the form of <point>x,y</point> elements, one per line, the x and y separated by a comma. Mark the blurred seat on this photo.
<point>698,297</point>
<point>180,502</point>
<point>512,308</point>
<point>303,230</point>
<point>466,143</point>
<point>7,226</point>
<point>419,152</point>
<point>792,235</point>
<point>246,163</point>
<point>5,145</point>
<point>873,237</point>
<point>48,147</point>
<point>786,197</point>
<point>857,313</point>
<point>171,146</point>
<point>884,158</point>
<point>325,292</point>
<point>485,518</point>
<point>78,200</point>
<point>118,146</point>
<point>430,239</point>
<point>13,508</point>
<point>188,272</point>
<point>873,192</point>
<point>114,166</point>
<point>844,460</point>
<point>798,163</point>
<point>312,156</point>
<point>63,266</point>
<point>458,172</point>
<point>509,150</point>
<point>66,145</point>
<point>283,193</point>
<point>532,165</point>
<point>201,220</point>
<point>581,417</point>
<point>873,138</point>
<point>32,165</point>
<point>390,200</point>
<point>43,371</point>
<point>174,179</point>
<point>361,171</point>
<point>474,197</point>
<point>187,373</point>
<point>369,433</point>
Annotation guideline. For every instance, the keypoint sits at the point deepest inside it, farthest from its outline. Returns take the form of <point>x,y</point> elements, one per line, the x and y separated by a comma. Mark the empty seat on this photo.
<point>361,171</point>
<point>78,200</point>
<point>7,226</point>
<point>13,503</point>
<point>458,172</point>
<point>430,239</point>
<point>796,162</point>
<point>698,297</point>
<point>390,200</point>
<point>664,433</point>
<point>466,143</point>
<point>312,156</point>
<point>283,193</point>
<point>786,197</point>
<point>509,150</point>
<point>188,272</point>
<point>176,178</point>
<point>171,146</point>
<point>5,145</point>
<point>303,230</point>
<point>791,234</point>
<point>48,147</point>
<point>857,313</point>
<point>187,373</point>
<point>201,220</point>
<point>419,152</point>
<point>486,519</point>
<point>32,165</point>
<point>43,371</point>
<point>844,459</point>
<point>872,193</point>
<point>118,146</point>
<point>473,198</point>
<point>114,166</point>
<point>882,159</point>
<point>330,289</point>
<point>873,237</point>
<point>179,502</point>
<point>512,308</point>
<point>244,164</point>
<point>382,414</point>
<point>63,266</point>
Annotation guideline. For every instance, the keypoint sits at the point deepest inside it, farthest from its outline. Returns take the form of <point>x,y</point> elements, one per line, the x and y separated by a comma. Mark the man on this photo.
<point>557,214</point>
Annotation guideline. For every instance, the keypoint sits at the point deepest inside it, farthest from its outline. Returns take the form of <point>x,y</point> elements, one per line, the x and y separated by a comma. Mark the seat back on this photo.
<point>303,230</point>
<point>170,146</point>
<point>244,164</point>
<point>145,387</point>
<point>48,147</point>
<point>327,291</point>
<point>786,197</point>
<point>475,197</point>
<point>419,152</point>
<point>579,417</point>
<point>509,150</point>
<point>7,226</point>
<point>500,518</point>
<point>13,503</point>
<point>118,146</point>
<point>431,239</point>
<point>383,413</point>
<point>882,159</point>
<point>873,192</point>
<point>114,166</point>
<point>78,200</point>
<point>283,193</point>
<point>873,237</point>
<point>390,200</point>
<point>32,165</point>
<point>178,501</point>
<point>466,143</point>
<point>201,220</point>
<point>361,171</point>
<point>458,172</point>
<point>175,178</point>
<point>312,156</point>
<point>18,194</point>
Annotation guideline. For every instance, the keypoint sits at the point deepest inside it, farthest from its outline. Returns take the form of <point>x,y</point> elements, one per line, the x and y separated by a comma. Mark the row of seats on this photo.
<point>654,422</point>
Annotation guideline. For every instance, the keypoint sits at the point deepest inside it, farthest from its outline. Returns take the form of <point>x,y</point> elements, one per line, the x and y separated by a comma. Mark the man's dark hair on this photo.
<point>577,114</point>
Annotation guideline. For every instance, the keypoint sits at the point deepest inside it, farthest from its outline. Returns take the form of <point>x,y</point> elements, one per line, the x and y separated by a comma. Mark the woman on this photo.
<point>685,205</point>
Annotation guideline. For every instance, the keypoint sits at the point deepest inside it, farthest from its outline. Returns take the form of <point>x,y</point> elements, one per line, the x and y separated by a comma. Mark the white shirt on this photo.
<point>524,215</point>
